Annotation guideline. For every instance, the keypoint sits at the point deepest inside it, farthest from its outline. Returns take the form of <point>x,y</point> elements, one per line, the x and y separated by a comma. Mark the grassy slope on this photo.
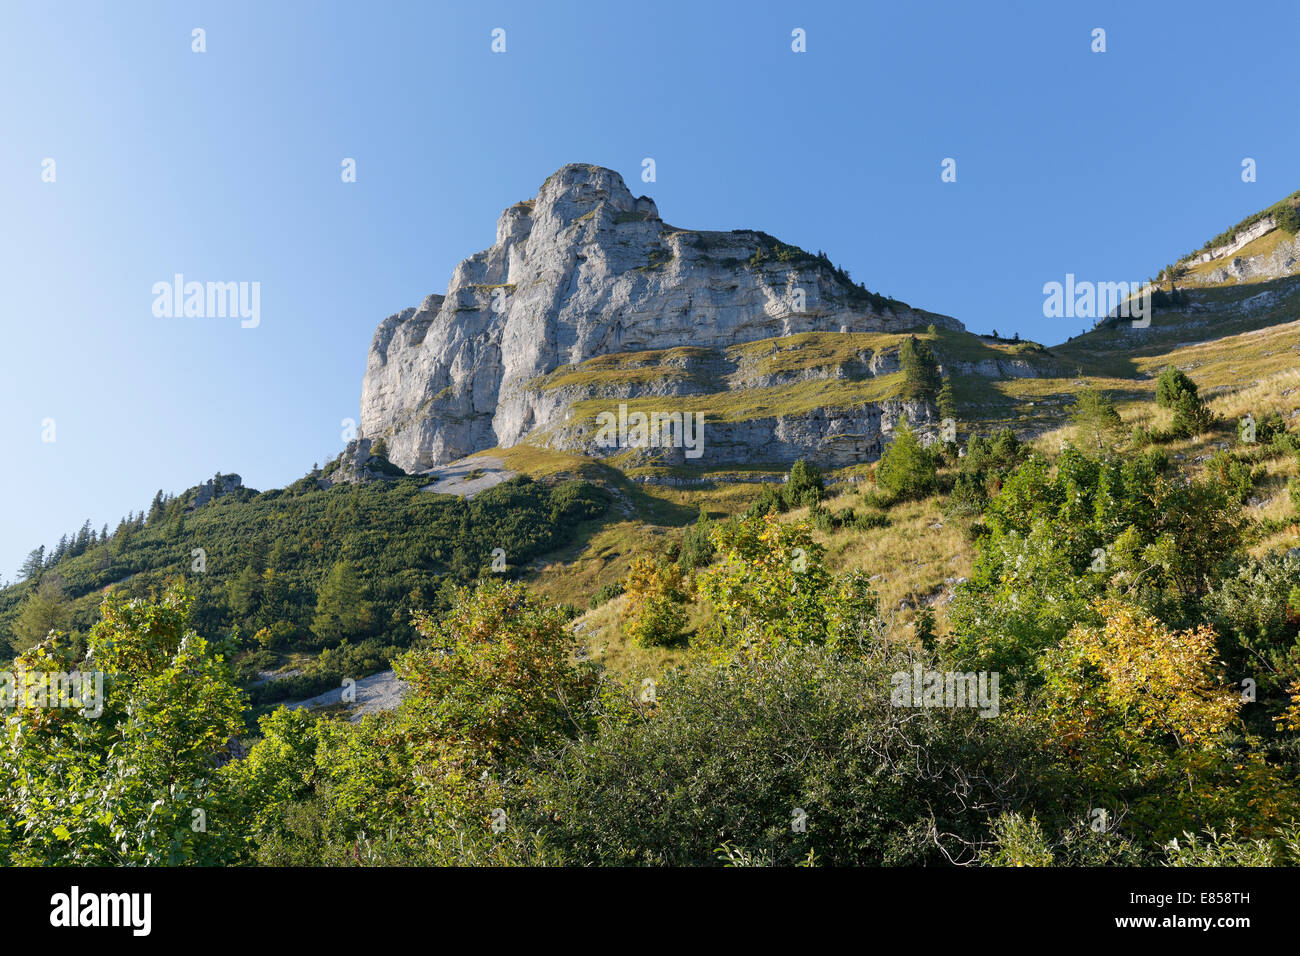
<point>1245,359</point>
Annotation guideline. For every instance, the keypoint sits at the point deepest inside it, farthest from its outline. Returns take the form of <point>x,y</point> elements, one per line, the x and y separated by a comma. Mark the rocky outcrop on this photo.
<point>217,486</point>
<point>1239,240</point>
<point>358,464</point>
<point>586,269</point>
<point>1282,261</point>
<point>832,437</point>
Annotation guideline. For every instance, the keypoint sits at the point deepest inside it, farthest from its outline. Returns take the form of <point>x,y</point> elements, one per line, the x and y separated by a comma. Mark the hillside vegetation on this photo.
<point>1064,632</point>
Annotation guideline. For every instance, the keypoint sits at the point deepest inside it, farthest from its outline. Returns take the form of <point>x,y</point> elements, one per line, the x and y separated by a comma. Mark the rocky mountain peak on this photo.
<point>585,269</point>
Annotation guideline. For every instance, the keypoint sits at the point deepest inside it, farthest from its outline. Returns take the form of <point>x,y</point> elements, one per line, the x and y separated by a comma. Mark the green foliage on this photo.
<point>1021,841</point>
<point>340,611</point>
<point>770,589</point>
<point>402,543</point>
<point>44,610</point>
<point>946,401</point>
<point>803,487</point>
<point>981,471</point>
<point>1256,610</point>
<point>1174,390</point>
<point>697,545</point>
<point>1287,219</point>
<point>656,594</point>
<point>1059,537</point>
<point>494,680</point>
<point>920,369</point>
<point>1230,848</point>
<point>606,593</point>
<point>134,785</point>
<point>1096,418</point>
<point>906,470</point>
<point>713,766</point>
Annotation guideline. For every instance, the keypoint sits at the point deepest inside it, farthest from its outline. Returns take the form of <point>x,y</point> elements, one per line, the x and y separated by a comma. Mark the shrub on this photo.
<point>804,485</point>
<point>605,593</point>
<point>713,766</point>
<point>697,548</point>
<point>655,613</point>
<point>1174,390</point>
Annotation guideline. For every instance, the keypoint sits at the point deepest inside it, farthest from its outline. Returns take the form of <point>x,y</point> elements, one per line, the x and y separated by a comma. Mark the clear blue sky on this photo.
<point>225,166</point>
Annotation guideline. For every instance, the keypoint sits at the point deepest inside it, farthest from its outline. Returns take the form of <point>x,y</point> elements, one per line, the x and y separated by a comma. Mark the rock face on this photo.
<point>586,269</point>
<point>1282,261</point>
<point>1240,239</point>
<point>833,437</point>
<point>215,487</point>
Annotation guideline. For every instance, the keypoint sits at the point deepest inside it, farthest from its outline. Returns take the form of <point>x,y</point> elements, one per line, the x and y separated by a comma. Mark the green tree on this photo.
<point>1287,219</point>
<point>1096,418</point>
<point>129,778</point>
<point>920,370</point>
<point>697,548</point>
<point>804,485</point>
<point>46,609</point>
<point>946,401</point>
<point>906,470</point>
<point>655,611</point>
<point>245,593</point>
<point>496,679</point>
<point>1174,390</point>
<point>33,564</point>
<point>341,612</point>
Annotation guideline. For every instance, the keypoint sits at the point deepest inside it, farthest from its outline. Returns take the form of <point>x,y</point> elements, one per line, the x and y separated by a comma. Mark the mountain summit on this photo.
<point>587,294</point>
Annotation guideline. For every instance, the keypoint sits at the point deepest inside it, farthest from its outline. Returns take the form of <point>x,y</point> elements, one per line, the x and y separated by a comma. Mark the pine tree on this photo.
<point>246,592</point>
<point>31,567</point>
<point>45,609</point>
<point>82,541</point>
<point>946,401</point>
<point>920,370</point>
<point>1096,418</point>
<point>340,612</point>
<point>906,470</point>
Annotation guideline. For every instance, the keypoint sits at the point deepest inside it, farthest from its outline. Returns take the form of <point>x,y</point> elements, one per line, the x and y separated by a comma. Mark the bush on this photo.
<point>804,485</point>
<point>605,593</point>
<point>697,549</point>
<point>655,612</point>
<point>714,766</point>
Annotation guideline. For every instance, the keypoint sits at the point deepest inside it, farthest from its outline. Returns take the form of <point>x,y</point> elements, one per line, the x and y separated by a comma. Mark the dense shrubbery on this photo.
<point>1060,536</point>
<point>803,487</point>
<point>312,568</point>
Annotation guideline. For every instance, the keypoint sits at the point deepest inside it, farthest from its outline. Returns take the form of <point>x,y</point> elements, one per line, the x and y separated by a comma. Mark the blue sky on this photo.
<point>225,166</point>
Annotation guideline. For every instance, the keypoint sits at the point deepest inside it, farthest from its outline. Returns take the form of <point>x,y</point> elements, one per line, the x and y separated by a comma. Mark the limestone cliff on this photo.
<point>584,270</point>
